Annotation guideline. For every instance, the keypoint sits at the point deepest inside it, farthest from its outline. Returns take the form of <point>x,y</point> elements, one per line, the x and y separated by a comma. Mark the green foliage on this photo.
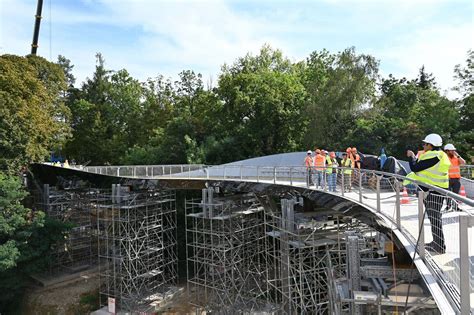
<point>17,223</point>
<point>17,227</point>
<point>405,112</point>
<point>338,85</point>
<point>26,237</point>
<point>464,138</point>
<point>263,103</point>
<point>32,112</point>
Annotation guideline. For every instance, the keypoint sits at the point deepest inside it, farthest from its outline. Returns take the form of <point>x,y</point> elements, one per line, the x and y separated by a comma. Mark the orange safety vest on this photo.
<point>319,162</point>
<point>308,161</point>
<point>454,171</point>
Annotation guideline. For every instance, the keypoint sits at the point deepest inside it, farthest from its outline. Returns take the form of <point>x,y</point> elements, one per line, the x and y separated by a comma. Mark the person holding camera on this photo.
<point>432,168</point>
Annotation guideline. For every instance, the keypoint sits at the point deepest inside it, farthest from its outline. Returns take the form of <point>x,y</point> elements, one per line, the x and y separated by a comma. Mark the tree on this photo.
<point>33,117</point>
<point>17,227</point>
<point>464,137</point>
<point>263,99</point>
<point>67,67</point>
<point>404,114</point>
<point>425,80</point>
<point>338,85</point>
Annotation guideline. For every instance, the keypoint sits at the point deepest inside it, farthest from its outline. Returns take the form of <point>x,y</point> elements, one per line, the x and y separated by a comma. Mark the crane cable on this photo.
<point>50,32</point>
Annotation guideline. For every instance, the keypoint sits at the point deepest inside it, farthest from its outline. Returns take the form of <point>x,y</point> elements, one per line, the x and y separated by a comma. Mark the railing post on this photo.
<point>464,263</point>
<point>342,181</point>
<point>421,241</point>
<point>379,208</point>
<point>146,171</point>
<point>241,172</point>
<point>152,175</point>
<point>181,169</point>
<point>258,176</point>
<point>397,204</point>
<point>207,172</point>
<point>274,175</point>
<point>360,185</point>
<point>291,178</point>
<point>325,179</point>
<point>224,171</point>
<point>118,171</point>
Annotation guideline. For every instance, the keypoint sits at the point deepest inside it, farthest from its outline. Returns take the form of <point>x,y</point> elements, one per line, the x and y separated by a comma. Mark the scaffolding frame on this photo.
<point>137,247</point>
<point>77,250</point>
<point>226,263</point>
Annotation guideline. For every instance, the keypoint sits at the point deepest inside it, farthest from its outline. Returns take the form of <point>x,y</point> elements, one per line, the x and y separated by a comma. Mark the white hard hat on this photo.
<point>449,146</point>
<point>434,139</point>
<point>309,152</point>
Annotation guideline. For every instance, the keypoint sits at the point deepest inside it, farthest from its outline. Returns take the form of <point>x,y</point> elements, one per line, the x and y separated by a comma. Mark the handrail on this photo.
<point>441,191</point>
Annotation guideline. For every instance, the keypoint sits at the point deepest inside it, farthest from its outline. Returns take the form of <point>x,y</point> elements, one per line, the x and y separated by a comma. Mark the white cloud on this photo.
<point>203,35</point>
<point>439,49</point>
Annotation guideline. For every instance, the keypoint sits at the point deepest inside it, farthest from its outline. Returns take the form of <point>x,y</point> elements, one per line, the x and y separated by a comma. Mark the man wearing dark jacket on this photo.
<point>432,168</point>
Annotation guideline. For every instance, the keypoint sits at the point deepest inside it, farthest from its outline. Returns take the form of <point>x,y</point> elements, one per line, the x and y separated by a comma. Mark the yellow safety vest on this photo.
<point>436,175</point>
<point>348,164</point>
<point>328,165</point>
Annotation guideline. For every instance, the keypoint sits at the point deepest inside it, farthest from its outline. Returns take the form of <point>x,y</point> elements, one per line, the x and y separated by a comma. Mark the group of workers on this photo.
<point>322,168</point>
<point>432,165</point>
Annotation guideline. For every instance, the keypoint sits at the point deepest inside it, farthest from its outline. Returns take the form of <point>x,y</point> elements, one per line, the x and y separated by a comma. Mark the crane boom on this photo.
<point>34,45</point>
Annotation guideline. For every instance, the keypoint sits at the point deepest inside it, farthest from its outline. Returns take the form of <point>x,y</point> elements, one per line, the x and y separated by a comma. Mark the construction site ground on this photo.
<point>75,296</point>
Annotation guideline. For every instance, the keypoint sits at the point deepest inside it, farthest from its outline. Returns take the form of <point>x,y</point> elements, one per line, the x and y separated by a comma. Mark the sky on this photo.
<point>154,37</point>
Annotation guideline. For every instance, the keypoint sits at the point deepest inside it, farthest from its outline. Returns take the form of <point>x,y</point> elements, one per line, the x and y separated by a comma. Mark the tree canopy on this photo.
<point>33,114</point>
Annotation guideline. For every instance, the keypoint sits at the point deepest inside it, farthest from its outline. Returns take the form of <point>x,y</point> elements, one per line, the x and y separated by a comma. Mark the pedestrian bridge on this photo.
<point>449,275</point>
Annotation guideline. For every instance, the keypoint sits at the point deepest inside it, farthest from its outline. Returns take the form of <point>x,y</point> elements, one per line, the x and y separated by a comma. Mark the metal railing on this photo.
<point>437,223</point>
<point>467,171</point>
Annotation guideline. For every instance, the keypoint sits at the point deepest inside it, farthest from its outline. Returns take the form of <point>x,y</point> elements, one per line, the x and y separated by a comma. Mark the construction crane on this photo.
<point>34,45</point>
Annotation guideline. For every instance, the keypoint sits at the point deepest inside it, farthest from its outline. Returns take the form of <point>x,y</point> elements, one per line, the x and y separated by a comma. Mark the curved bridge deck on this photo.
<point>449,276</point>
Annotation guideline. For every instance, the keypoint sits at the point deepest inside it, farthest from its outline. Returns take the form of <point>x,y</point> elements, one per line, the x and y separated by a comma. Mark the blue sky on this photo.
<point>151,37</point>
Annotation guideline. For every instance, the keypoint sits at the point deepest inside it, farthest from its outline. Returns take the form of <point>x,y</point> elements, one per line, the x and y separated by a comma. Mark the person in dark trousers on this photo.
<point>454,171</point>
<point>432,168</point>
<point>308,162</point>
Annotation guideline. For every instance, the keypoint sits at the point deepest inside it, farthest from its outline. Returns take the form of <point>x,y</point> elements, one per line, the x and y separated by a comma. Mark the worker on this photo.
<point>355,165</point>
<point>308,162</point>
<point>319,167</point>
<point>432,168</point>
<point>346,163</point>
<point>356,158</point>
<point>454,170</point>
<point>331,163</point>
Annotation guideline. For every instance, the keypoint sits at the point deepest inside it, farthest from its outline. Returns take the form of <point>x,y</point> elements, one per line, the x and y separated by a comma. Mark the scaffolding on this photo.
<point>245,258</point>
<point>372,285</point>
<point>298,251</point>
<point>137,247</point>
<point>226,261</point>
<point>75,207</point>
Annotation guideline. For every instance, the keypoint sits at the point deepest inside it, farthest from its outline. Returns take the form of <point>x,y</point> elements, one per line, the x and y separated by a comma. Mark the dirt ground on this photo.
<point>78,297</point>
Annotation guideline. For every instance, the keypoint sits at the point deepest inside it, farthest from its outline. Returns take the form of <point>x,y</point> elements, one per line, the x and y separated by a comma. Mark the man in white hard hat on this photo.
<point>432,168</point>
<point>454,170</point>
